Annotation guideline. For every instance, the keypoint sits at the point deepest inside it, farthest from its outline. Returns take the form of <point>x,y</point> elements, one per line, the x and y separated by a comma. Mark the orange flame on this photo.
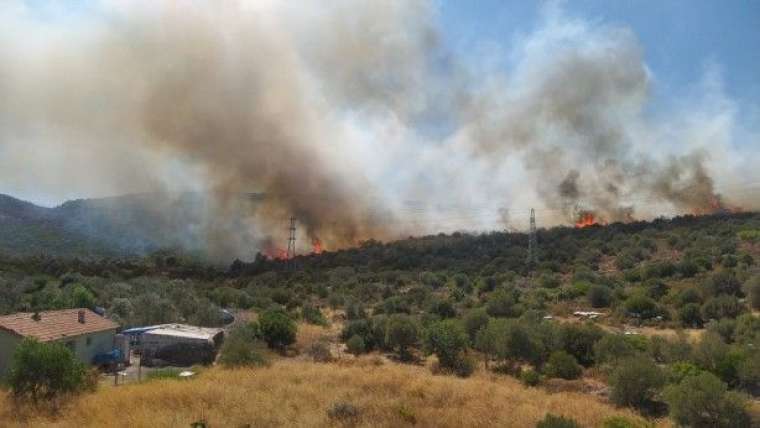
<point>585,219</point>
<point>275,253</point>
<point>316,246</point>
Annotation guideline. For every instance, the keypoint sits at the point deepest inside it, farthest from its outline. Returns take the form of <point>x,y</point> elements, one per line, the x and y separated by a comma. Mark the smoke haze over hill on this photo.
<point>355,118</point>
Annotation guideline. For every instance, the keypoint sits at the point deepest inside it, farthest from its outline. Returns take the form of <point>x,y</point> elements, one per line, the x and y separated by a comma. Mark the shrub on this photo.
<point>343,411</point>
<point>703,401</point>
<point>239,353</point>
<point>723,306</point>
<point>320,352</point>
<point>82,298</point>
<point>401,333</point>
<point>562,365</point>
<point>724,327</point>
<point>277,329</point>
<point>503,303</point>
<point>443,308</point>
<point>753,292</point>
<point>611,348</point>
<point>599,296</point>
<point>475,320</point>
<point>464,366</point>
<point>687,268</point>
<point>361,328</point>
<point>551,421</point>
<point>623,422</point>
<point>749,372</point>
<point>530,377</point>
<point>45,370</point>
<point>723,282</point>
<point>313,315</point>
<point>679,371</point>
<point>635,381</point>
<point>446,339</point>
<point>578,341</point>
<point>690,315</point>
<point>355,345</point>
<point>641,306</point>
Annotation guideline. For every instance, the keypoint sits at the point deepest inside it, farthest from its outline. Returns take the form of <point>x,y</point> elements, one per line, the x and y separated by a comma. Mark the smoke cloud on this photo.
<point>353,117</point>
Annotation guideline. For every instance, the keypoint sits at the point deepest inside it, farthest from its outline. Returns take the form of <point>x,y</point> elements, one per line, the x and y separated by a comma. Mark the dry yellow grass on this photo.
<point>297,394</point>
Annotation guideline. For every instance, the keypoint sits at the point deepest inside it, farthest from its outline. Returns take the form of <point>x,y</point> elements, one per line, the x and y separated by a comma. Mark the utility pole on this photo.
<point>532,241</point>
<point>292,239</point>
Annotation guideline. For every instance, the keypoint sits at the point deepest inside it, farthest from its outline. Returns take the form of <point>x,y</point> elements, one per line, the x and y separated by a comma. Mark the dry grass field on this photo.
<point>295,393</point>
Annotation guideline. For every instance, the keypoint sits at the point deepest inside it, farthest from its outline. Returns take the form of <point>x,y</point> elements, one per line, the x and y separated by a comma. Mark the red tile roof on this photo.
<point>55,325</point>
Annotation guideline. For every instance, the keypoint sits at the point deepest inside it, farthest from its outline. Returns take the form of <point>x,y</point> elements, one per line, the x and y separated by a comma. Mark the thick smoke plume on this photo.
<point>352,117</point>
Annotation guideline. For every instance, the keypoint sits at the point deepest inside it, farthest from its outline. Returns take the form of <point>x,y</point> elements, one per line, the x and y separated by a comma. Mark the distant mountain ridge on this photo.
<point>104,227</point>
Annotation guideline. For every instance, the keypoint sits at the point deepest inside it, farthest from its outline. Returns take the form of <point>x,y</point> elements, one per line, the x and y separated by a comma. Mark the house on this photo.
<point>83,331</point>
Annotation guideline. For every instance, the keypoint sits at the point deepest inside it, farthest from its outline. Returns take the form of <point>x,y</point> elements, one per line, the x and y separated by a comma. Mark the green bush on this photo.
<point>623,422</point>
<point>401,334</point>
<point>464,366</point>
<point>313,315</point>
<point>641,306</point>
<point>503,303</point>
<point>562,365</point>
<point>355,345</point>
<point>475,320</point>
<point>679,371</point>
<point>447,340</point>
<point>277,328</point>
<point>690,315</point>
<point>578,340</point>
<point>530,377</point>
<point>723,282</point>
<point>723,306</point>
<point>752,288</point>
<point>45,370</point>
<point>634,382</point>
<point>551,421</point>
<point>703,401</point>
<point>599,296</point>
<point>612,347</point>
<point>243,347</point>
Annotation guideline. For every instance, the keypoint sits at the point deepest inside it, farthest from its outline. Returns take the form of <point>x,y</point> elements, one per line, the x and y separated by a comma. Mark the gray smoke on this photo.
<point>351,116</point>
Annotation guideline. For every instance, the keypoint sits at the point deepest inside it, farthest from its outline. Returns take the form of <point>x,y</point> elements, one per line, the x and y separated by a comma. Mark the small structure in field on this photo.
<point>84,332</point>
<point>589,315</point>
<point>176,344</point>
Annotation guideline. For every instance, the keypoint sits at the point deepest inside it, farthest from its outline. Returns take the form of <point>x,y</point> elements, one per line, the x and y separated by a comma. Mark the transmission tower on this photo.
<point>532,242</point>
<point>292,239</point>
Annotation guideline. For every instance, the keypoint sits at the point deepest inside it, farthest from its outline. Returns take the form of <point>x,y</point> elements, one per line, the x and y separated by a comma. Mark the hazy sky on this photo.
<point>683,43</point>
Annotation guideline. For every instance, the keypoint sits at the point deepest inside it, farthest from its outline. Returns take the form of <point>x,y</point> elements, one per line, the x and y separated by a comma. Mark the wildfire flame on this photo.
<point>585,219</point>
<point>275,253</point>
<point>316,246</point>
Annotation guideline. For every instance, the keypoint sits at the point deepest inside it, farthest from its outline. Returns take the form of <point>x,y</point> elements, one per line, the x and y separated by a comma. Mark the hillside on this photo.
<point>130,225</point>
<point>675,299</point>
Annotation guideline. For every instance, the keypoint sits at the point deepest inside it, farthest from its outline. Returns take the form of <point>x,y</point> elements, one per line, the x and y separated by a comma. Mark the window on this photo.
<point>89,341</point>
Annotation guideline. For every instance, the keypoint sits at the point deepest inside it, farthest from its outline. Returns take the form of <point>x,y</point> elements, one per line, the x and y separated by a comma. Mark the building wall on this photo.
<point>8,343</point>
<point>85,347</point>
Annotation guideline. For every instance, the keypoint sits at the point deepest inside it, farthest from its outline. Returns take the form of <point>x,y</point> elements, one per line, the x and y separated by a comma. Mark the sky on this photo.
<point>684,44</point>
<point>680,38</point>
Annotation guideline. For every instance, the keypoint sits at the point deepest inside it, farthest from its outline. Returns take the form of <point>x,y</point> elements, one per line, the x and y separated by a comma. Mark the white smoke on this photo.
<point>354,117</point>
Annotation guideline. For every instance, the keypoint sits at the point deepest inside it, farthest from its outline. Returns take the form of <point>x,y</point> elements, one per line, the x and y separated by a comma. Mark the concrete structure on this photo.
<point>171,334</point>
<point>175,344</point>
<point>83,331</point>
